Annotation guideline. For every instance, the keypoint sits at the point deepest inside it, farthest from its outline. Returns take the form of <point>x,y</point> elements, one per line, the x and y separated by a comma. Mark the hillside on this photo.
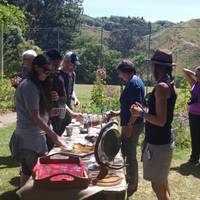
<point>94,32</point>
<point>184,41</point>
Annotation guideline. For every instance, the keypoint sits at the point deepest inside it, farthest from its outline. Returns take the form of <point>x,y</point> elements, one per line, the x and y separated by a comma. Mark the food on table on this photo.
<point>79,148</point>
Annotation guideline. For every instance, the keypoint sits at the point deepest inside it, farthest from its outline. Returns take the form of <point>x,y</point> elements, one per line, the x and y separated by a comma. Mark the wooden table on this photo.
<point>29,192</point>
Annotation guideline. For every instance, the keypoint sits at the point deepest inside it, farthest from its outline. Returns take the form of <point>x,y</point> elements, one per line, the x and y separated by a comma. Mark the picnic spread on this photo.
<point>88,164</point>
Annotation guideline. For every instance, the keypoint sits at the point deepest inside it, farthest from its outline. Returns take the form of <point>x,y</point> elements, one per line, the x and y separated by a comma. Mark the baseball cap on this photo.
<point>72,57</point>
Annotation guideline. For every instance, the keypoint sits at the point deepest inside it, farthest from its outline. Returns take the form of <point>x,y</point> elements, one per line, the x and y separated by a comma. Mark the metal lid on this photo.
<point>108,145</point>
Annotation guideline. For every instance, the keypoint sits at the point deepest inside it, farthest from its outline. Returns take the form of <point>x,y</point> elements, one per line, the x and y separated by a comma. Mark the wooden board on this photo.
<point>110,180</point>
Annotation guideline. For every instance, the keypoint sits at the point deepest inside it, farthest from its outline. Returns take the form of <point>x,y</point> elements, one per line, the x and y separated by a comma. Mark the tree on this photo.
<point>140,61</point>
<point>53,23</point>
<point>93,55</point>
<point>11,16</point>
<point>14,45</point>
<point>127,34</point>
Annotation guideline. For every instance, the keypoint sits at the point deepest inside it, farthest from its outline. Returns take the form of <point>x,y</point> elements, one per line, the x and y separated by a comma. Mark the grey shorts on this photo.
<point>156,162</point>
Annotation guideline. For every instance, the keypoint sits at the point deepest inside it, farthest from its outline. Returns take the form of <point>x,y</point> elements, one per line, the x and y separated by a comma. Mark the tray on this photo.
<point>76,154</point>
<point>59,170</point>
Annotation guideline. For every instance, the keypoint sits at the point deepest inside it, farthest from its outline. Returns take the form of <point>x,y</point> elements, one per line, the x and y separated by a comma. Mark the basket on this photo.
<point>60,171</point>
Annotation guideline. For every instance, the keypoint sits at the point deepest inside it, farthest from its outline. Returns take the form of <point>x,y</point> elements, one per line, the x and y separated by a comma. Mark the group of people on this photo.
<point>44,91</point>
<point>48,88</point>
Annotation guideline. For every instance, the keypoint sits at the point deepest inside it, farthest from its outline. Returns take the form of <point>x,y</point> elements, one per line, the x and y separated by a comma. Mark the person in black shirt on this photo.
<point>59,96</point>
<point>158,148</point>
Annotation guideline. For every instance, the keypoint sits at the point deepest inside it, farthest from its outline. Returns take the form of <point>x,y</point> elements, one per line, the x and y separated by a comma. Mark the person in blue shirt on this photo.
<point>133,92</point>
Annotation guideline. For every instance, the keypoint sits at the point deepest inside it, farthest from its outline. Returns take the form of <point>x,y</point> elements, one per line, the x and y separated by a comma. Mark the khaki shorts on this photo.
<point>156,162</point>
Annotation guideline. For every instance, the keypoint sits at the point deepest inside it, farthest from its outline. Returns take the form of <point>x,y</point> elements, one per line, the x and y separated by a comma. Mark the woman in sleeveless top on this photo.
<point>157,153</point>
<point>194,112</point>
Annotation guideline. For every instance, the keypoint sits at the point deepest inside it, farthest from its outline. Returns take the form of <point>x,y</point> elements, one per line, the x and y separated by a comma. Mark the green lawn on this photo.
<point>9,170</point>
<point>83,93</point>
<point>184,178</point>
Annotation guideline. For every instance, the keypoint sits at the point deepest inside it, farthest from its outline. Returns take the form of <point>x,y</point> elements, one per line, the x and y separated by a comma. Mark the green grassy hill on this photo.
<point>183,40</point>
<point>93,31</point>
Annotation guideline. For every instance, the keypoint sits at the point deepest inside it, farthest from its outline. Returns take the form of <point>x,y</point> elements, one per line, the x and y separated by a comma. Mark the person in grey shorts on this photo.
<point>158,147</point>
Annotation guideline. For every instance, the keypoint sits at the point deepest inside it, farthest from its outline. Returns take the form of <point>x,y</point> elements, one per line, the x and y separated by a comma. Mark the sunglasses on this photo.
<point>44,70</point>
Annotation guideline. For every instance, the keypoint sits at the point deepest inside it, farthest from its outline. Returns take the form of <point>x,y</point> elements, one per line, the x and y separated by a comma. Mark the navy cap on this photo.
<point>72,57</point>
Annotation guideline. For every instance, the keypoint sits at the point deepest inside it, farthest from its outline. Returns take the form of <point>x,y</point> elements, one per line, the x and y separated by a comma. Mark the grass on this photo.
<point>83,93</point>
<point>9,170</point>
<point>184,178</point>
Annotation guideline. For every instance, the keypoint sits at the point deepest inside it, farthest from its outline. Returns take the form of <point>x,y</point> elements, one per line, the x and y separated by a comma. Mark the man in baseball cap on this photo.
<point>69,65</point>
<point>72,57</point>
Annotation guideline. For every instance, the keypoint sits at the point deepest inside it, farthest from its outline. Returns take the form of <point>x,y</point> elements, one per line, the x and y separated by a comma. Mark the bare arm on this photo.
<point>160,118</point>
<point>190,76</point>
<point>161,94</point>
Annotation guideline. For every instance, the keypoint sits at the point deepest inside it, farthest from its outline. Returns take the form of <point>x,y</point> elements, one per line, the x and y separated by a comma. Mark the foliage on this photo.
<point>15,44</point>
<point>93,55</point>
<point>180,122</point>
<point>11,15</point>
<point>131,30</point>
<point>103,97</point>
<point>6,96</point>
<point>140,61</point>
<point>160,25</point>
<point>52,21</point>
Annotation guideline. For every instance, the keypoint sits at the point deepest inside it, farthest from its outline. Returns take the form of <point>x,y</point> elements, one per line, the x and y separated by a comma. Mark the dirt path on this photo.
<point>7,118</point>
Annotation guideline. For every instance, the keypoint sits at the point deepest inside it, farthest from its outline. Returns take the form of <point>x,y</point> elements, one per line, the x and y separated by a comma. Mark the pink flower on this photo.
<point>101,72</point>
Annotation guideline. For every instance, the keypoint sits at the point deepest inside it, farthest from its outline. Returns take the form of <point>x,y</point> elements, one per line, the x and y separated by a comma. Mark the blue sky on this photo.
<point>151,10</point>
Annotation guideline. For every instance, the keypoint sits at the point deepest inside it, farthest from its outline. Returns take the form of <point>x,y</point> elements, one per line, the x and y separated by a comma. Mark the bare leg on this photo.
<point>162,190</point>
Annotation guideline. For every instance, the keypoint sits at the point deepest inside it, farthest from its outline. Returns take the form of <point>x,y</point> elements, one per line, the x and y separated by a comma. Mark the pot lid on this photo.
<point>108,145</point>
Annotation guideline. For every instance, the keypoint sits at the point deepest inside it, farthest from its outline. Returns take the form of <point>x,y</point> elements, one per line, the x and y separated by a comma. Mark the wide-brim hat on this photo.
<point>163,57</point>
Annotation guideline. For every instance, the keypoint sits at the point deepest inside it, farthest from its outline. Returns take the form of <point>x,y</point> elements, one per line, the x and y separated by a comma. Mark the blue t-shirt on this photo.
<point>133,92</point>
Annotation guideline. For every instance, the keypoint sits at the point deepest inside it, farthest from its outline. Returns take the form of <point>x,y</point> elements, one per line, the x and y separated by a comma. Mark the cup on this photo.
<point>61,113</point>
<point>69,130</point>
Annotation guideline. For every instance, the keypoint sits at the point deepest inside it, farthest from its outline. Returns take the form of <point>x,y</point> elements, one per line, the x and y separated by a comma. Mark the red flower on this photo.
<point>101,72</point>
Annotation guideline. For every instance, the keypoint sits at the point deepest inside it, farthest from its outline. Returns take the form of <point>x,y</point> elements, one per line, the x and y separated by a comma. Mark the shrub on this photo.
<point>181,123</point>
<point>104,97</point>
<point>6,96</point>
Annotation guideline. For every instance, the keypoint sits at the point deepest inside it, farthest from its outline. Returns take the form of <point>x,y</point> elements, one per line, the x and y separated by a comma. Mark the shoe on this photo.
<point>131,189</point>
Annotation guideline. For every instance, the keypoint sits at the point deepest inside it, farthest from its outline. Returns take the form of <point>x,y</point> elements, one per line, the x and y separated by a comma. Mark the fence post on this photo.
<point>58,39</point>
<point>1,53</point>
<point>149,51</point>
